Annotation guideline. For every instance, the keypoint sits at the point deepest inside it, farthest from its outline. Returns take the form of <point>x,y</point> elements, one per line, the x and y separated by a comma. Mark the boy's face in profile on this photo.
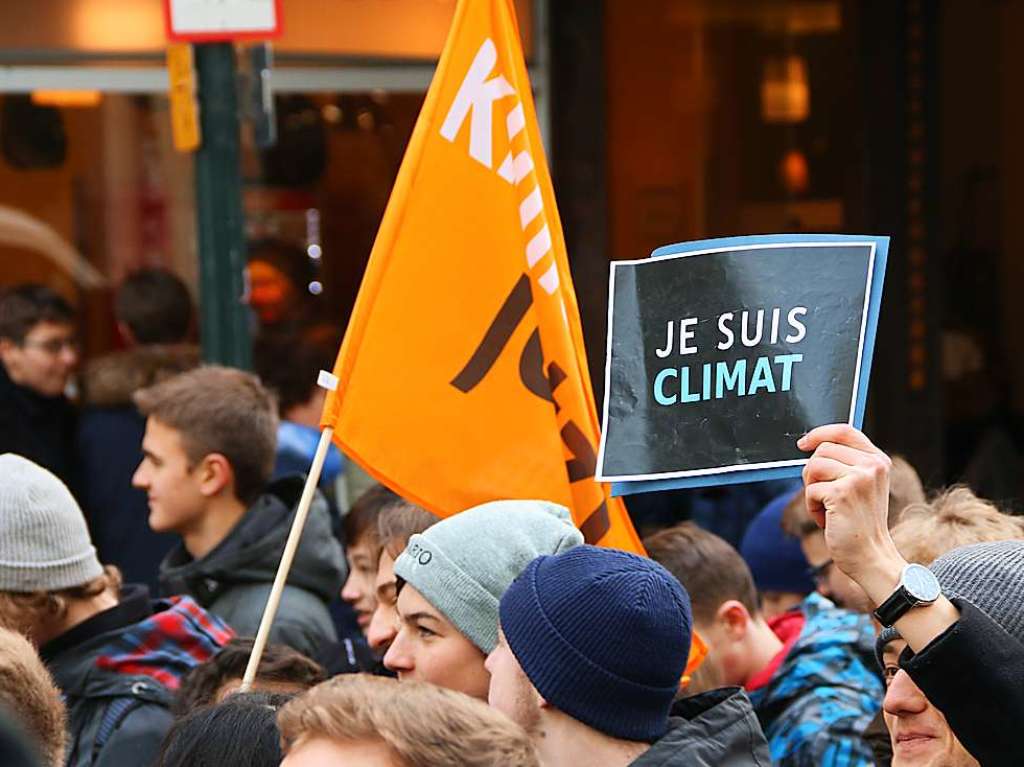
<point>171,483</point>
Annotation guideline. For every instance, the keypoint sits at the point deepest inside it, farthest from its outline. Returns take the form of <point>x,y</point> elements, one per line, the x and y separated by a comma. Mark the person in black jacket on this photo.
<point>592,645</point>
<point>38,353</point>
<point>208,452</point>
<point>154,317</point>
<point>964,649</point>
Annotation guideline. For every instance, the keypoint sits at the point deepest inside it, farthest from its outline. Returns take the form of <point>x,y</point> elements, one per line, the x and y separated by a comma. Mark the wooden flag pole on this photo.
<point>290,547</point>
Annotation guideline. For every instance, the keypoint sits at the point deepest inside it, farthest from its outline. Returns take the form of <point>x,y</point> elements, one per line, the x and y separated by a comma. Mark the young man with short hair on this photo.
<point>362,550</point>
<point>592,646</point>
<point>988,575</point>
<point>116,655</point>
<point>926,531</point>
<point>365,721</point>
<point>965,638</point>
<point>809,672</point>
<point>208,453</point>
<point>451,578</point>
<point>38,353</point>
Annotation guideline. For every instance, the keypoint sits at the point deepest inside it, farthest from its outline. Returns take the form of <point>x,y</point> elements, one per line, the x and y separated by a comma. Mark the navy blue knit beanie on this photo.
<point>775,559</point>
<point>603,636</point>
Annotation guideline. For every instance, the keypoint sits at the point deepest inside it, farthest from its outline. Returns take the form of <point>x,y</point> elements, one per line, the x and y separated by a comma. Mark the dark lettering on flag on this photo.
<point>543,384</point>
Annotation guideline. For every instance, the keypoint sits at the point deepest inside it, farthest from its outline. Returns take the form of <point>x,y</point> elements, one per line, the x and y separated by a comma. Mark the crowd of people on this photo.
<point>862,620</point>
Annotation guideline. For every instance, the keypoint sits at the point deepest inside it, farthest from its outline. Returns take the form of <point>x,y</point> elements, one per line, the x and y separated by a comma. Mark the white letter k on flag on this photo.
<point>477,94</point>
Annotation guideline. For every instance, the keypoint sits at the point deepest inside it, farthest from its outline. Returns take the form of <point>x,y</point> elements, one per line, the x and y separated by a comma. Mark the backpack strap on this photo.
<point>116,712</point>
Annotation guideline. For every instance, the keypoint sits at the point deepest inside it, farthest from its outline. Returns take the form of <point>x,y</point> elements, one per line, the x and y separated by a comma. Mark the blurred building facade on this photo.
<point>665,120</point>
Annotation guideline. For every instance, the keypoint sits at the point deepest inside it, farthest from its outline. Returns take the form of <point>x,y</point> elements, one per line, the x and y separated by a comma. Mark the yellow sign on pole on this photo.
<point>184,109</point>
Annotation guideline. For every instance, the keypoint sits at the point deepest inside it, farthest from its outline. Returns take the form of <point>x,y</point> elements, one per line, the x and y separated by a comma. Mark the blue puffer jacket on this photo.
<point>816,705</point>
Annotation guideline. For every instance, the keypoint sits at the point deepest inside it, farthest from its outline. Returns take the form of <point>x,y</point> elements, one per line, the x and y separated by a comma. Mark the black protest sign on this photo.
<point>721,354</point>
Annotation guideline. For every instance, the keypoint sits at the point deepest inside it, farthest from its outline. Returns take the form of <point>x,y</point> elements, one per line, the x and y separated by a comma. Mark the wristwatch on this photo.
<point>918,586</point>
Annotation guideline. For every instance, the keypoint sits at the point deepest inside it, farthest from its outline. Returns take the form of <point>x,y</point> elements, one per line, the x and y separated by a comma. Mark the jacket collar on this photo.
<point>133,607</point>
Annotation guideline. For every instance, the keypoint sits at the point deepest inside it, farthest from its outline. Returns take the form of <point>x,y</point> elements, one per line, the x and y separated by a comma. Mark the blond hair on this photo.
<point>421,725</point>
<point>23,612</point>
<point>953,518</point>
<point>30,698</point>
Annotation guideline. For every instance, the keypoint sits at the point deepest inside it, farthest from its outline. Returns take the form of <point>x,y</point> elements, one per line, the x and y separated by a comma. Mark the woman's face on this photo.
<point>429,648</point>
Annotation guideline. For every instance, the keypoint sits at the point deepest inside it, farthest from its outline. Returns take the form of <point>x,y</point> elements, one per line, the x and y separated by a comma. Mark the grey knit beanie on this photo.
<point>463,564</point>
<point>44,543</point>
<point>988,575</point>
<point>991,577</point>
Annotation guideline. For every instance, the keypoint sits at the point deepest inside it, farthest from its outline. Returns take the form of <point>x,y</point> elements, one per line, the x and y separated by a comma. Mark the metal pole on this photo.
<point>224,328</point>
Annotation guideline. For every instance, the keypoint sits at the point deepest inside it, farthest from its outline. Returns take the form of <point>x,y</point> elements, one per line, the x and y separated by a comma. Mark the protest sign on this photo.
<point>722,353</point>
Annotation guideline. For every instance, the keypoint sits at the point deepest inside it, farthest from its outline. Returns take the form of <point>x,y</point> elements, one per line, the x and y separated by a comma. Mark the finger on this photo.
<point>815,496</point>
<point>823,469</point>
<point>851,456</point>
<point>841,433</point>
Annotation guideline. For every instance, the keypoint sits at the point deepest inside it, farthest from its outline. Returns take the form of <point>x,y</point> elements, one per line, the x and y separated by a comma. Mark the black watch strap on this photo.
<point>895,607</point>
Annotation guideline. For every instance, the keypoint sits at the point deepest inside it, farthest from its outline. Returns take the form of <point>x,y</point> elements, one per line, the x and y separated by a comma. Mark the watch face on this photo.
<point>921,583</point>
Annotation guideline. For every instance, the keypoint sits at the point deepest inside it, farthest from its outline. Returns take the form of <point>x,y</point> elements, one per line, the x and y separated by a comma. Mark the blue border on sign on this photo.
<point>870,331</point>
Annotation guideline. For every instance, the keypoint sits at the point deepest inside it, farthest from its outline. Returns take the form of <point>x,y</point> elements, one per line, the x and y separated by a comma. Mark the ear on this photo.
<point>215,475</point>
<point>733,618</point>
<point>6,346</point>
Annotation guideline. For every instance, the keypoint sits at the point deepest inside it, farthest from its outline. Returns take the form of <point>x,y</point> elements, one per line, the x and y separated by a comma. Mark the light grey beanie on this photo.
<point>463,564</point>
<point>988,575</point>
<point>44,543</point>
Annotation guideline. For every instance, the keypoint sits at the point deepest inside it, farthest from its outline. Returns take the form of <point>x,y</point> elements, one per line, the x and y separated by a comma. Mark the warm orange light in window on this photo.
<point>66,98</point>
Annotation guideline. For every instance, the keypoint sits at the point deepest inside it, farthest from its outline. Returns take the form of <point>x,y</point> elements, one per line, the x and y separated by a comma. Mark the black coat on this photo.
<point>714,729</point>
<point>109,450</point>
<point>39,428</point>
<point>974,674</point>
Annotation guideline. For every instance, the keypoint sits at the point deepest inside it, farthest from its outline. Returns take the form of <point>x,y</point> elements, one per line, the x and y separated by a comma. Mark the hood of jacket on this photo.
<point>717,728</point>
<point>177,636</point>
<point>252,550</point>
<point>111,380</point>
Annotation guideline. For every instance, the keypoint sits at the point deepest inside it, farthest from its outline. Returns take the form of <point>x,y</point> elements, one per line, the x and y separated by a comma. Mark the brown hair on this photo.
<point>219,410</point>
<point>28,694</point>
<point>953,518</point>
<point>24,306</point>
<point>155,305</point>
<point>905,488</point>
<point>23,611</point>
<point>399,522</point>
<point>421,725</point>
<point>360,524</point>
<point>279,663</point>
<point>711,570</point>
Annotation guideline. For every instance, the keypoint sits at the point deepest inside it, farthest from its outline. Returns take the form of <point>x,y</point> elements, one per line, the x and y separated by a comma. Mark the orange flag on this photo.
<point>462,376</point>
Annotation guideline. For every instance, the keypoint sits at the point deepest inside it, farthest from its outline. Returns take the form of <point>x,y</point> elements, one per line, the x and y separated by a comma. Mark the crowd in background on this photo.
<point>142,519</point>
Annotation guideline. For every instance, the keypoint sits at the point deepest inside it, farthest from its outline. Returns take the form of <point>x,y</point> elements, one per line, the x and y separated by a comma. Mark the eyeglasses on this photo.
<point>818,572</point>
<point>54,346</point>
